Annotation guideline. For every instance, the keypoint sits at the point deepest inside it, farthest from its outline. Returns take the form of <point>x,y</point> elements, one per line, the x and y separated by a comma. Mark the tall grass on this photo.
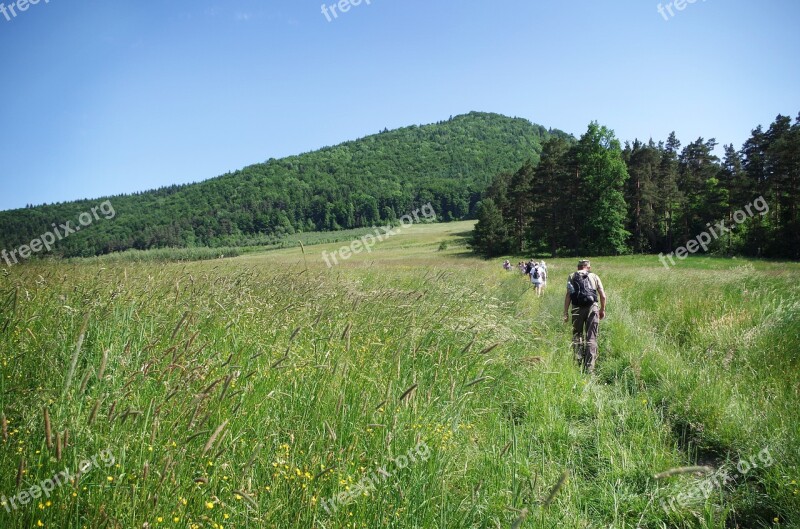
<point>244,394</point>
<point>161,255</point>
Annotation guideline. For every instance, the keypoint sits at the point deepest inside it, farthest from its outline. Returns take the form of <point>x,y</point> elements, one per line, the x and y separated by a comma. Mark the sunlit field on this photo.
<point>414,385</point>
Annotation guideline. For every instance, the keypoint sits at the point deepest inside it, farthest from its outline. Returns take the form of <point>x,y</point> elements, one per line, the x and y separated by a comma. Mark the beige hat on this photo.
<point>583,262</point>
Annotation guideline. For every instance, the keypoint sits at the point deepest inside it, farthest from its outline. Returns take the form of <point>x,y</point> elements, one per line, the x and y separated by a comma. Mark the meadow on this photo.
<point>413,386</point>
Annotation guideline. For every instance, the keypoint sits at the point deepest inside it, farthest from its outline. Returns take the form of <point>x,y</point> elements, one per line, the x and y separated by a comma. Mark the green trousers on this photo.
<point>585,322</point>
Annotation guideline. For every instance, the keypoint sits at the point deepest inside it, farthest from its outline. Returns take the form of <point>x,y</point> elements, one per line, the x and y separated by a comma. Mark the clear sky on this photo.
<point>108,97</point>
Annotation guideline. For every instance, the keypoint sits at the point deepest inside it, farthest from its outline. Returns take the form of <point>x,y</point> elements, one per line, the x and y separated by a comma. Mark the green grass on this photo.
<point>202,253</point>
<point>161,255</point>
<point>301,369</point>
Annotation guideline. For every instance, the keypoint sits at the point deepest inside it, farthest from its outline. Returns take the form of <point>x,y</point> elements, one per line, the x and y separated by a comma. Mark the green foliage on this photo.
<point>163,254</point>
<point>490,236</point>
<point>599,204</point>
<point>359,183</point>
<point>674,199</point>
<point>573,203</point>
<point>595,198</point>
<point>553,189</point>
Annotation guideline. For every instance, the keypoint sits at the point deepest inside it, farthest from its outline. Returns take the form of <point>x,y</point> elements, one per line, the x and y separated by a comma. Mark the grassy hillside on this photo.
<point>260,391</point>
<point>355,184</point>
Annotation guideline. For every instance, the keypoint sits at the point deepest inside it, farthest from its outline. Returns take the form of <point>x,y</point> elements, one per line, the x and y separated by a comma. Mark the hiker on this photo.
<point>583,290</point>
<point>507,265</point>
<point>543,266</point>
<point>537,278</point>
<point>528,267</point>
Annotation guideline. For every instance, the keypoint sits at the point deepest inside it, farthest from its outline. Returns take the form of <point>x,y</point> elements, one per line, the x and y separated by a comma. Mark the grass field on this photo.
<point>411,386</point>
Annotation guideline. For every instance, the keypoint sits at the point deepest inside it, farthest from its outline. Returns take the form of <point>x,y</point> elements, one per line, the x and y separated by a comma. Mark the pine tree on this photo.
<point>641,194</point>
<point>490,236</point>
<point>783,166</point>
<point>733,179</point>
<point>498,192</point>
<point>698,168</point>
<point>520,197</point>
<point>551,203</point>
<point>754,156</point>
<point>671,196</point>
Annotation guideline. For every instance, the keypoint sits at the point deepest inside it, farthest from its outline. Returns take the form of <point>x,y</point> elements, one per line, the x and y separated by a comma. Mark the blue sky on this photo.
<point>101,98</point>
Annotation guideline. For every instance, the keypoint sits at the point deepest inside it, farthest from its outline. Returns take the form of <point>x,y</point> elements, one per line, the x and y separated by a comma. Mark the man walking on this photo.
<point>583,290</point>
<point>537,278</point>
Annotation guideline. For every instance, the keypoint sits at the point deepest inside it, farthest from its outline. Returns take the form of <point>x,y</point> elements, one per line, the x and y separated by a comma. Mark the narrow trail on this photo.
<point>618,387</point>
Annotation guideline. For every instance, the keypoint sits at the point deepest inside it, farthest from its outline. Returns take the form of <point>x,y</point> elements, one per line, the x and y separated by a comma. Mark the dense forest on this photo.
<point>595,197</point>
<point>359,183</point>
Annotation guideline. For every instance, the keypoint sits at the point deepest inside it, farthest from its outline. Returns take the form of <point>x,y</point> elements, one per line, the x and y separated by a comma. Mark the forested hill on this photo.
<point>355,184</point>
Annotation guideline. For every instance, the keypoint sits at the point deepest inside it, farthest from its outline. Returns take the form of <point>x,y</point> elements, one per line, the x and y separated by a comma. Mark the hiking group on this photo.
<point>536,271</point>
<point>587,299</point>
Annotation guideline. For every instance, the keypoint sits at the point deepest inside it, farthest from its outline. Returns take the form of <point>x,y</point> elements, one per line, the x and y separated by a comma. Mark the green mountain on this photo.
<point>355,184</point>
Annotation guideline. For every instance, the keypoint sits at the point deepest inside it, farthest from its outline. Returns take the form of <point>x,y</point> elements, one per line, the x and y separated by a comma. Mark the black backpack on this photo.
<point>583,294</point>
<point>535,272</point>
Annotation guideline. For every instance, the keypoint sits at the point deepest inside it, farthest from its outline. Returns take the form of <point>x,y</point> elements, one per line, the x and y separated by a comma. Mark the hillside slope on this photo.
<point>354,184</point>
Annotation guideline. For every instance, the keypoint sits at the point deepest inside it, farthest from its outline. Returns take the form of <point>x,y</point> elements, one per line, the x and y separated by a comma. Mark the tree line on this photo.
<point>366,182</point>
<point>593,196</point>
